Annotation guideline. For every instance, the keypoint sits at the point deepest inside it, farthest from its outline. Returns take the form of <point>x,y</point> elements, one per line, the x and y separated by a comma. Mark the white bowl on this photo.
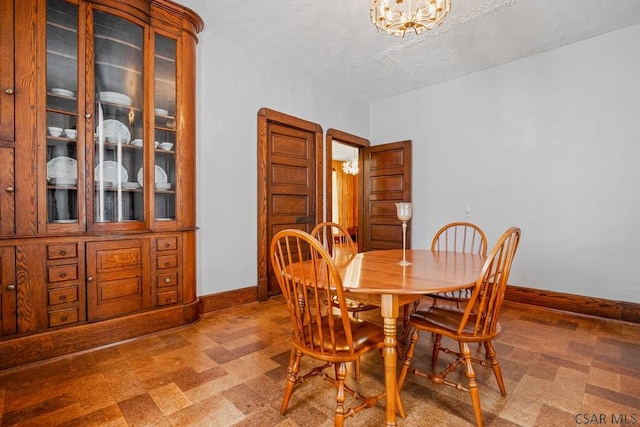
<point>165,146</point>
<point>55,131</point>
<point>71,133</point>
<point>137,142</point>
<point>161,112</point>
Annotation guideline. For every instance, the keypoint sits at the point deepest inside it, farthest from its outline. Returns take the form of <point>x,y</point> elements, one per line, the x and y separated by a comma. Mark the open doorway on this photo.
<point>345,190</point>
<point>344,180</point>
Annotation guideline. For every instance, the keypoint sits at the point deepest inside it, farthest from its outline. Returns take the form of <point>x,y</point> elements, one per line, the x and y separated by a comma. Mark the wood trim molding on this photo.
<point>600,307</point>
<point>233,298</point>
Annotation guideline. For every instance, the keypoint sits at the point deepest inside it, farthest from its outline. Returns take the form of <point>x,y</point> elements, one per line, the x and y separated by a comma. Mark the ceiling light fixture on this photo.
<point>350,167</point>
<point>396,17</point>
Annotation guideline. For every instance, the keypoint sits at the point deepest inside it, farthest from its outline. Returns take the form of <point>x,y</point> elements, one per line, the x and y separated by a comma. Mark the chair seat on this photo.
<point>446,320</point>
<point>366,336</point>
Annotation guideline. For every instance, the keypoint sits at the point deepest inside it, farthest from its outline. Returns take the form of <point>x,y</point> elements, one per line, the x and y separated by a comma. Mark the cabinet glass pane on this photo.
<point>165,128</point>
<point>62,112</point>
<point>118,155</point>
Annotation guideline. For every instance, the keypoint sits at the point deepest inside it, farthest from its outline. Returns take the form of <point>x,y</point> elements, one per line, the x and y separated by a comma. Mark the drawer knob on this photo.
<point>9,189</point>
<point>64,319</point>
<point>167,245</point>
<point>167,264</point>
<point>63,253</point>
<point>90,279</point>
<point>63,297</point>
<point>9,91</point>
<point>63,275</point>
<point>167,280</point>
<point>11,287</point>
<point>88,116</point>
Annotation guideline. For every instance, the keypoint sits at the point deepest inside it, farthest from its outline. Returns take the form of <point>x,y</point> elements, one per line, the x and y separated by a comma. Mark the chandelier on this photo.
<point>350,167</point>
<point>396,17</point>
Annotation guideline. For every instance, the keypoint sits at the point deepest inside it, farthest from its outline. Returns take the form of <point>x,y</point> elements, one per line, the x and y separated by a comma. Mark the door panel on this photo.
<point>117,278</point>
<point>7,87</point>
<point>387,181</point>
<point>8,299</point>
<point>7,199</point>
<point>289,170</point>
<point>291,183</point>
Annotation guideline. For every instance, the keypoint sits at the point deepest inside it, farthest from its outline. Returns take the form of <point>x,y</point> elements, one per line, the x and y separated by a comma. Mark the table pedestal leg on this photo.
<point>389,311</point>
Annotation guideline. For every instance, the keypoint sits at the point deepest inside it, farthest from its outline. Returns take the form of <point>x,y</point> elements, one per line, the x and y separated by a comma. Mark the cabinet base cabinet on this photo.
<point>60,342</point>
<point>61,295</point>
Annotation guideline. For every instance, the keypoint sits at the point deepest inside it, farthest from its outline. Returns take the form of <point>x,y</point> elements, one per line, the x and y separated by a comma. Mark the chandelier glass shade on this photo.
<point>396,17</point>
<point>350,167</point>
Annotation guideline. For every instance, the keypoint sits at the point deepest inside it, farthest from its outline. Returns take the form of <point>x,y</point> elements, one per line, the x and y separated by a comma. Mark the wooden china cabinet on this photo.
<point>97,176</point>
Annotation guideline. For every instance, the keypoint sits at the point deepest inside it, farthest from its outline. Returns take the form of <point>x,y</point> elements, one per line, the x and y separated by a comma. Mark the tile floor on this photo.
<point>229,370</point>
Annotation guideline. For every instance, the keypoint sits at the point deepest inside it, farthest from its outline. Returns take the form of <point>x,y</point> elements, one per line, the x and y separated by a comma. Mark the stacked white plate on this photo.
<point>161,112</point>
<point>60,91</point>
<point>131,185</point>
<point>114,98</point>
<point>64,181</point>
<point>163,186</point>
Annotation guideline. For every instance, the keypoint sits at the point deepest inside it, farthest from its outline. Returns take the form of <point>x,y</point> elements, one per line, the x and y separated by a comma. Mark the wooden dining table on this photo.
<point>376,277</point>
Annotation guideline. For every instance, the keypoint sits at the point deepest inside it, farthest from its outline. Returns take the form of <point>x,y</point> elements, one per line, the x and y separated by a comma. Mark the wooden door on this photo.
<point>117,278</point>
<point>7,200</point>
<point>8,300</point>
<point>289,170</point>
<point>387,181</point>
<point>6,71</point>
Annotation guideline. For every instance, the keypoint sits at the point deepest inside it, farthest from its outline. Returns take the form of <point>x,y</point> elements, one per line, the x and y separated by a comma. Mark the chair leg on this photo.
<point>341,374</point>
<point>473,385</point>
<point>491,355</point>
<point>436,351</point>
<point>292,377</point>
<point>357,366</point>
<point>406,362</point>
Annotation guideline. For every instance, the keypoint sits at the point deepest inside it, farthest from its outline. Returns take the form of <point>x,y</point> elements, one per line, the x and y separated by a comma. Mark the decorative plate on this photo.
<point>110,171</point>
<point>62,167</point>
<point>115,131</point>
<point>161,176</point>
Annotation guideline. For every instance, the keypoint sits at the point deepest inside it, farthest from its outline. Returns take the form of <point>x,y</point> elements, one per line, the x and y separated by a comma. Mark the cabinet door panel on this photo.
<point>117,278</point>
<point>7,292</point>
<point>7,200</point>
<point>6,71</point>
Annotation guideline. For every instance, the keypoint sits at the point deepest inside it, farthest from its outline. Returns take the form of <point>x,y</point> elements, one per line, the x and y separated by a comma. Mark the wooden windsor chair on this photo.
<point>477,323</point>
<point>303,268</point>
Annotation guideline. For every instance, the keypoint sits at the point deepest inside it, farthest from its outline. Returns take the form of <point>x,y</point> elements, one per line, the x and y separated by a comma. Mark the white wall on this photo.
<point>550,143</point>
<point>232,85</point>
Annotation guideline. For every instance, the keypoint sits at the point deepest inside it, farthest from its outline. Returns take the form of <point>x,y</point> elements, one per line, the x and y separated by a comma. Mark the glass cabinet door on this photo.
<point>62,112</point>
<point>118,155</point>
<point>165,128</point>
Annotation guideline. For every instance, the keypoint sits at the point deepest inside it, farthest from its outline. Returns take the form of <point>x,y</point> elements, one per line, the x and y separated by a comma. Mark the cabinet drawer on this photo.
<point>60,273</point>
<point>63,317</point>
<point>168,297</point>
<point>62,295</point>
<point>167,244</point>
<point>170,279</point>
<point>167,261</point>
<point>62,251</point>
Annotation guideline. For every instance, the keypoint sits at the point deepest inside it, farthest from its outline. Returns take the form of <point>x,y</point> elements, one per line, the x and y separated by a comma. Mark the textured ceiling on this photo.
<point>334,40</point>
